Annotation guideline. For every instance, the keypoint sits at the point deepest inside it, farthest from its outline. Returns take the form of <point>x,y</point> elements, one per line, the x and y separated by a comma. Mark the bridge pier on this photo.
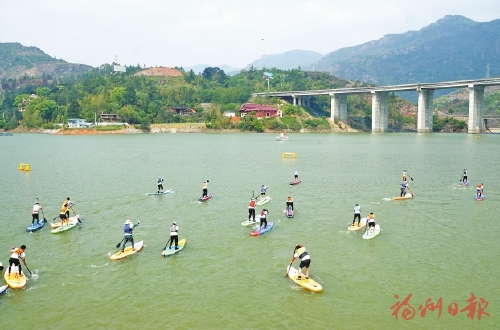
<point>425,110</point>
<point>338,107</point>
<point>301,100</point>
<point>476,106</point>
<point>380,111</point>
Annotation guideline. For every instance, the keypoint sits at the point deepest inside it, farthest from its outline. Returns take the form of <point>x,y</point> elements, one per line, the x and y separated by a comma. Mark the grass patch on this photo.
<point>109,128</point>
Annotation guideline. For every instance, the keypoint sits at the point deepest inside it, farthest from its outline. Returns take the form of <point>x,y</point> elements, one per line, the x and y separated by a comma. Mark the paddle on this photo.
<point>409,176</point>
<point>118,245</point>
<point>167,244</point>
<point>28,269</point>
<point>288,268</point>
<point>77,218</point>
<point>45,220</point>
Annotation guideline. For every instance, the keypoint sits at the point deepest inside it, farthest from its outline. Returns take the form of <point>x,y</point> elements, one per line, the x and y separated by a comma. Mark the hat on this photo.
<point>174,223</point>
<point>128,221</point>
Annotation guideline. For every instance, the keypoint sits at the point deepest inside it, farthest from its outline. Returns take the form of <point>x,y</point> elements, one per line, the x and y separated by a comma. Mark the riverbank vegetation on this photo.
<point>142,101</point>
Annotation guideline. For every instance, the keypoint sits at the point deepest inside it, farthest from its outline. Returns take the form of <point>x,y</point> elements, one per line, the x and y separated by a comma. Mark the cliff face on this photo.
<point>17,61</point>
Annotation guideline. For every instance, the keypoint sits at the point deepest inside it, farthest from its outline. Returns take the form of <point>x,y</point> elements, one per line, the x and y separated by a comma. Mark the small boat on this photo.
<point>282,137</point>
<point>205,198</point>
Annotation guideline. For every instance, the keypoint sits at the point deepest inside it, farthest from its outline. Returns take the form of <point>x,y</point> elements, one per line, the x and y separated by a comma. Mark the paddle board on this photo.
<point>263,201</point>
<point>370,233</point>
<point>128,251</point>
<point>36,226</point>
<point>250,222</point>
<point>67,226</point>
<point>407,196</point>
<point>206,198</point>
<point>306,283</point>
<point>464,183</point>
<point>3,289</point>
<point>171,251</point>
<point>362,224</point>
<point>480,198</point>
<point>293,183</point>
<point>57,224</point>
<point>262,231</point>
<point>164,192</point>
<point>13,279</point>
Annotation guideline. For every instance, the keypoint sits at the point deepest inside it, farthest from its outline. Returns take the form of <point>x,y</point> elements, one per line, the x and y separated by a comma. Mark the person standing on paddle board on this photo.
<point>357,214</point>
<point>305,260</point>
<point>404,185</point>
<point>35,213</point>
<point>464,175</point>
<point>69,202</point>
<point>251,209</point>
<point>64,214</point>
<point>174,235</point>
<point>160,184</point>
<point>479,190</point>
<point>296,176</point>
<point>289,203</point>
<point>14,257</point>
<point>370,221</point>
<point>263,191</point>
<point>205,188</point>
<point>127,231</point>
<point>263,219</point>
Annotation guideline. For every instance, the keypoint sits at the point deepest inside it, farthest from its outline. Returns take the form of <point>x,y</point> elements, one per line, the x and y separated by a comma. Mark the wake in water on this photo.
<point>95,266</point>
<point>387,199</point>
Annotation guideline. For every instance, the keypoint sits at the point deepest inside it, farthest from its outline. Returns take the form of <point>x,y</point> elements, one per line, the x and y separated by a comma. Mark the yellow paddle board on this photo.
<point>362,224</point>
<point>13,279</point>
<point>308,284</point>
<point>128,251</point>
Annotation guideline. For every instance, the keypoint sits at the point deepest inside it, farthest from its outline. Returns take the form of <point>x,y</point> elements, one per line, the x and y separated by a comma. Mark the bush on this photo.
<point>292,123</point>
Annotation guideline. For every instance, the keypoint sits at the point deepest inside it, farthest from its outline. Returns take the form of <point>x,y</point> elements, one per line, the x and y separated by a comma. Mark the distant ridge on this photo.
<point>291,59</point>
<point>17,61</point>
<point>453,48</point>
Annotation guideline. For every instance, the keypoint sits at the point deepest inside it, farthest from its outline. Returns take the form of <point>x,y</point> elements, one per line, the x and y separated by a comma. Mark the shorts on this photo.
<point>62,216</point>
<point>305,263</point>
<point>371,224</point>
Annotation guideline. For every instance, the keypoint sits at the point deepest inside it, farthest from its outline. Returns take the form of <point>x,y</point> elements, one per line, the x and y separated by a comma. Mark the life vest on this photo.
<point>371,216</point>
<point>303,255</point>
<point>64,209</point>
<point>173,229</point>
<point>127,229</point>
<point>18,251</point>
<point>36,208</point>
<point>251,205</point>
<point>289,199</point>
<point>204,185</point>
<point>263,189</point>
<point>263,214</point>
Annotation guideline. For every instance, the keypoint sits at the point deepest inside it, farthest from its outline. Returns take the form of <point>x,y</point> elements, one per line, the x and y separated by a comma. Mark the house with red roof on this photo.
<point>261,111</point>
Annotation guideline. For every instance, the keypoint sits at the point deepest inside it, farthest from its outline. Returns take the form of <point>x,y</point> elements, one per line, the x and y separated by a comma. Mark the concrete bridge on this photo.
<point>380,97</point>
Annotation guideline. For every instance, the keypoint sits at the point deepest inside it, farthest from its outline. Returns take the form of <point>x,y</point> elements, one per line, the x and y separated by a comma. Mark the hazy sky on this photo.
<point>189,32</point>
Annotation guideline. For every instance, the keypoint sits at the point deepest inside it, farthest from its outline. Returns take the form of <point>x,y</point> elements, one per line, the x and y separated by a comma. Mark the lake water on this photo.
<point>441,244</point>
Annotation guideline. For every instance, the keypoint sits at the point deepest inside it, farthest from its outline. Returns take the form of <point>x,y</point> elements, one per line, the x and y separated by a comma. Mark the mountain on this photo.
<point>229,70</point>
<point>453,48</point>
<point>17,61</point>
<point>291,59</point>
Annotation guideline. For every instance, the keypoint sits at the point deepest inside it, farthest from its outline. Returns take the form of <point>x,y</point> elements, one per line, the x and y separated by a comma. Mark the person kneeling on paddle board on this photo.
<point>160,184</point>
<point>251,210</point>
<point>289,203</point>
<point>14,258</point>
<point>34,213</point>
<point>370,221</point>
<point>174,235</point>
<point>127,230</point>
<point>305,260</point>
<point>464,175</point>
<point>263,191</point>
<point>263,219</point>
<point>357,214</point>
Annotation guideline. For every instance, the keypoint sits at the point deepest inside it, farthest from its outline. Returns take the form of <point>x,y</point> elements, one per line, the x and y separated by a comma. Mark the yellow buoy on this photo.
<point>291,154</point>
<point>24,167</point>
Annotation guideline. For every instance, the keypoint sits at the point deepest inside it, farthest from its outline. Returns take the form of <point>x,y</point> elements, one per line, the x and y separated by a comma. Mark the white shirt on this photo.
<point>357,209</point>
<point>296,173</point>
<point>16,256</point>
<point>174,233</point>
<point>36,208</point>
